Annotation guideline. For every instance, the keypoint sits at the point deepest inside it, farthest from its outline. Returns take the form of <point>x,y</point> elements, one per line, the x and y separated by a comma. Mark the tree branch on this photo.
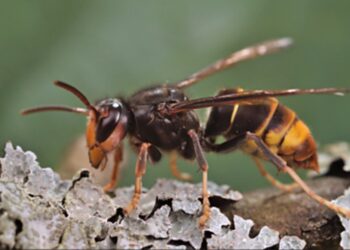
<point>39,210</point>
<point>295,213</point>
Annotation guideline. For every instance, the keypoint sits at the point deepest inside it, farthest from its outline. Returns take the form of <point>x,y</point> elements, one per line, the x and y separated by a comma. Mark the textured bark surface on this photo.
<point>39,210</point>
<point>295,213</point>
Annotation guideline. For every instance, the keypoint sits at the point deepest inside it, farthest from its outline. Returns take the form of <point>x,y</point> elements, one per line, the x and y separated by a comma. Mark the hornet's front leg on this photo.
<point>204,167</point>
<point>118,158</point>
<point>140,170</point>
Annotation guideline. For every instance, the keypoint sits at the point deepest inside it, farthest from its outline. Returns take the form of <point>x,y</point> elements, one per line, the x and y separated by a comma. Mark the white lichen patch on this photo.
<point>185,228</point>
<point>84,199</point>
<point>7,230</point>
<point>163,244</point>
<point>344,201</point>
<point>17,165</point>
<point>39,223</point>
<point>156,226</point>
<point>291,242</point>
<point>74,237</point>
<point>39,210</point>
<point>184,196</point>
<point>46,183</point>
<point>159,224</point>
<point>239,237</point>
<point>217,222</point>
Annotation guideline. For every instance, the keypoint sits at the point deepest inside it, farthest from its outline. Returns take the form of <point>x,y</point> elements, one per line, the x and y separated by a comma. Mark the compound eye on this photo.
<point>107,123</point>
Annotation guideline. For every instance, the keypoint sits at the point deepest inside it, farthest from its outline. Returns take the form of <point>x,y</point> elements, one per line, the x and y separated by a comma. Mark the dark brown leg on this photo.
<point>175,171</point>
<point>233,144</point>
<point>282,165</point>
<point>118,158</point>
<point>139,172</point>
<point>204,167</point>
<point>283,187</point>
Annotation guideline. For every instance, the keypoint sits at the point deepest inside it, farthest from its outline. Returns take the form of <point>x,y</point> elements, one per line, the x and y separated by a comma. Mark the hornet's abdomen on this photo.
<point>278,126</point>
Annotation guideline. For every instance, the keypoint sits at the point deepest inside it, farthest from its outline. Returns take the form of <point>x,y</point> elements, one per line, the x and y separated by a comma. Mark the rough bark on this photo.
<point>39,210</point>
<point>295,213</point>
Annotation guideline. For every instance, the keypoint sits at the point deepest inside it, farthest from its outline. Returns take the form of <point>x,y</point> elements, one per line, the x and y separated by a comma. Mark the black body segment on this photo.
<point>249,118</point>
<point>233,120</point>
<point>219,120</point>
<point>163,131</point>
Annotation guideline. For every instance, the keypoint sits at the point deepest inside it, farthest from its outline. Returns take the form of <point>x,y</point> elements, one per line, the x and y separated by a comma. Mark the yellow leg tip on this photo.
<point>344,212</point>
<point>205,215</point>
<point>185,177</point>
<point>127,210</point>
<point>133,204</point>
<point>109,187</point>
<point>287,187</point>
<point>203,220</point>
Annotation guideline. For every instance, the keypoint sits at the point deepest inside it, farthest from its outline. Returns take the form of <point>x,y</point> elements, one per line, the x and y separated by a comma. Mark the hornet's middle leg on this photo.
<point>204,167</point>
<point>175,171</point>
<point>282,186</point>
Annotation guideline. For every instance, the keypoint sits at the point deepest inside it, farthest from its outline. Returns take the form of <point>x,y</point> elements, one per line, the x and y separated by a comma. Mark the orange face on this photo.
<point>105,129</point>
<point>107,122</point>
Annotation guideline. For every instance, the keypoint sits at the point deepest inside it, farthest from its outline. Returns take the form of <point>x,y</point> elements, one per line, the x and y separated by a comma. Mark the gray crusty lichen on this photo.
<point>344,201</point>
<point>340,152</point>
<point>39,210</point>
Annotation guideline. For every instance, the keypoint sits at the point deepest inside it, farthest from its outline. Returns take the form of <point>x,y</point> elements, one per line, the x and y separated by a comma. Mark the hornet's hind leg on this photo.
<point>283,187</point>
<point>234,144</point>
<point>281,165</point>
<point>204,167</point>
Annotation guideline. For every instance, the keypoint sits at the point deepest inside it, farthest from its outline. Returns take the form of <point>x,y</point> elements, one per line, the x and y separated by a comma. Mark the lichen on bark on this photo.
<point>39,210</point>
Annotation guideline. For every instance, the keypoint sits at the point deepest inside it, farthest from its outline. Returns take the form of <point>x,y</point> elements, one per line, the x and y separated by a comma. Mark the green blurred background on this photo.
<point>116,47</point>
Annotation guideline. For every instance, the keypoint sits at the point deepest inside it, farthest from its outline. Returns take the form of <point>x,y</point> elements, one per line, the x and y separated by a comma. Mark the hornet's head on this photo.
<point>106,127</point>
